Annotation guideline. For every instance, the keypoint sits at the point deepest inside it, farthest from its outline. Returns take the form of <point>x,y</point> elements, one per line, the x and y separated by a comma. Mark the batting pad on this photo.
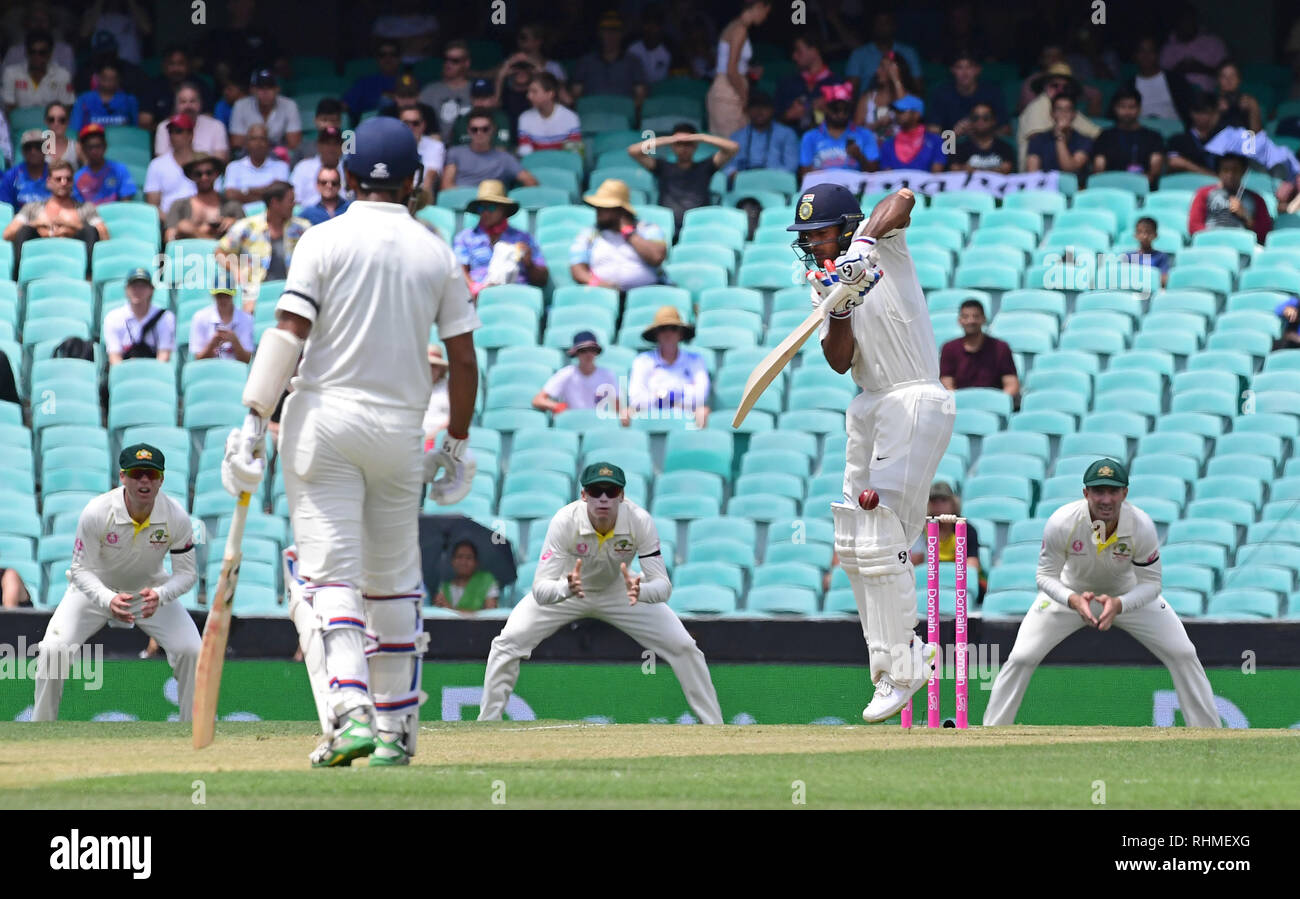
<point>395,644</point>
<point>875,554</point>
<point>309,638</point>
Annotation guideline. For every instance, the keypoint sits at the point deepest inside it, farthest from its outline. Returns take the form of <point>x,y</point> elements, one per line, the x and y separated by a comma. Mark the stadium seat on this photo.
<point>1052,423</point>
<point>718,526</point>
<point>1008,603</point>
<point>761,506</point>
<point>1244,603</point>
<point>782,599</point>
<point>683,507</point>
<point>701,599</point>
<point>1075,404</point>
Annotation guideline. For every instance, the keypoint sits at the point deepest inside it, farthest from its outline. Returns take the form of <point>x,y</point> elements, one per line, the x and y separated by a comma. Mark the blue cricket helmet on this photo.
<point>821,206</point>
<point>384,155</point>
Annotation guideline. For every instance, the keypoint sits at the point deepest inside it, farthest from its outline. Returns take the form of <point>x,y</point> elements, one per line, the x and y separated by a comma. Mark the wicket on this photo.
<point>932,621</point>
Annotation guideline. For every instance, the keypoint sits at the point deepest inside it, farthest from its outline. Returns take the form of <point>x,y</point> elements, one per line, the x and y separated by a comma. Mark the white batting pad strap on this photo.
<point>337,606</point>
<point>277,357</point>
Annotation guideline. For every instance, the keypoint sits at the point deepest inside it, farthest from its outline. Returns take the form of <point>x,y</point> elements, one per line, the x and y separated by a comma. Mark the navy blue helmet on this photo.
<point>820,206</point>
<point>384,154</point>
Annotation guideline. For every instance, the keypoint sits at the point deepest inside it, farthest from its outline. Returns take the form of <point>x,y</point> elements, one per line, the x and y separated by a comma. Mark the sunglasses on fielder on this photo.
<point>600,491</point>
<point>143,474</point>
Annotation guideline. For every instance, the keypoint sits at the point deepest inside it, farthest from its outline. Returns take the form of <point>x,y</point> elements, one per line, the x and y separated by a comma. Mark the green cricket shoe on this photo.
<point>388,753</point>
<point>356,740</point>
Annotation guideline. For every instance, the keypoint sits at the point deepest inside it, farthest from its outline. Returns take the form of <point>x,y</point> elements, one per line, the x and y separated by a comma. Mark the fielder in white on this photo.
<point>898,426</point>
<point>1100,566</point>
<point>584,573</point>
<point>361,295</point>
<point>117,577</point>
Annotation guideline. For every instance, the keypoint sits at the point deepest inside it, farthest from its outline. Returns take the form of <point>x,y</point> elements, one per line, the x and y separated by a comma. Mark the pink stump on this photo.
<point>961,658</point>
<point>932,615</point>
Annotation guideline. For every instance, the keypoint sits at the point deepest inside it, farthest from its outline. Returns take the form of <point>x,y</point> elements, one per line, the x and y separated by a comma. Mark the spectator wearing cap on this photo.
<point>800,103</point>
<point>975,359</point>
<point>138,329</point>
<point>1127,146</point>
<point>620,252</point>
<point>329,157</point>
<point>209,133</point>
<point>981,150</point>
<point>669,377</point>
<point>450,97</point>
<point>101,180</point>
<point>1041,115</point>
<point>476,247</point>
<point>914,146</point>
<point>59,144</point>
<point>406,95</point>
<point>222,330</point>
<point>1229,204</point>
<point>836,143</point>
<point>480,161</point>
<point>943,501</point>
<point>108,104</point>
<point>1186,151</point>
<point>248,177</point>
<point>330,201</point>
<point>329,114</point>
<point>369,91</point>
<point>433,153</point>
<point>38,80</point>
<point>260,247</point>
<point>26,182</point>
<point>683,182</point>
<point>206,213</point>
<point>1063,148</point>
<point>158,100</point>
<point>729,94</point>
<point>483,97</point>
<point>650,48</point>
<point>763,143</point>
<point>1191,52</point>
<point>579,386</point>
<point>952,103</point>
<point>58,215</point>
<point>548,125</point>
<point>164,180</point>
<point>865,60</point>
<point>1165,95</point>
<point>607,69</point>
<point>277,114</point>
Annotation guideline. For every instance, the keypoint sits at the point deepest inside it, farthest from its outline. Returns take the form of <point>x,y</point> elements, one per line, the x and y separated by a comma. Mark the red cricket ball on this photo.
<point>868,499</point>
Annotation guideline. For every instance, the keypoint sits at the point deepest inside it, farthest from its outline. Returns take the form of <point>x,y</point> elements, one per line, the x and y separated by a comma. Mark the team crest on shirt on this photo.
<point>158,537</point>
<point>1121,552</point>
<point>623,546</point>
<point>111,538</point>
<point>1077,546</point>
<point>582,549</point>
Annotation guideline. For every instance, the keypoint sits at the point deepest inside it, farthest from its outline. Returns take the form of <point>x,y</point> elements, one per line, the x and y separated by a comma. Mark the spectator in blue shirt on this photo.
<point>100,180</point>
<point>106,105</point>
<point>913,147</point>
<point>476,246</point>
<point>866,59</point>
<point>1289,311</point>
<point>951,104</point>
<point>1145,231</point>
<point>25,182</point>
<point>764,144</point>
<point>369,91</point>
<point>329,183</point>
<point>836,144</point>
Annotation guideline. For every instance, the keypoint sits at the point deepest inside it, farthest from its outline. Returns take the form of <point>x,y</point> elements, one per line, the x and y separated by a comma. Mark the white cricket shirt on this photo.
<point>1075,560</point>
<point>571,536</point>
<point>372,283</point>
<point>113,555</point>
<point>892,335</point>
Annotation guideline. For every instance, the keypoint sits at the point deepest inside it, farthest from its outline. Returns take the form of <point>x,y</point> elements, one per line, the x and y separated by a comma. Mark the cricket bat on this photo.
<point>216,631</point>
<point>766,371</point>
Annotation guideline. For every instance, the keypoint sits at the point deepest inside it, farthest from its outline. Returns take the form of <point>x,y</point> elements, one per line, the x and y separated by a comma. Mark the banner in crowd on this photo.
<point>933,182</point>
<point>643,691</point>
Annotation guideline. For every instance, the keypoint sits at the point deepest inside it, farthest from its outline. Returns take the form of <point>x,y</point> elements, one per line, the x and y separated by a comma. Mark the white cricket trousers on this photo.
<point>1156,626</point>
<point>77,619</point>
<point>653,625</point>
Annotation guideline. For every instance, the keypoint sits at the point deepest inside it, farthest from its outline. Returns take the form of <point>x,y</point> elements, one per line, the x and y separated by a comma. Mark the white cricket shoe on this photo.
<point>891,696</point>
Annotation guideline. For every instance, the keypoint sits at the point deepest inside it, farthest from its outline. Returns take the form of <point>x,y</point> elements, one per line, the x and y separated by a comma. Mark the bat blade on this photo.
<point>774,362</point>
<point>216,631</point>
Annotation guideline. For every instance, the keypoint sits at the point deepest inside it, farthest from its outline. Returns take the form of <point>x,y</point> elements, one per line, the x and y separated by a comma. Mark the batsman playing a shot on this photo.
<point>1100,566</point>
<point>117,578</point>
<point>898,426</point>
<point>362,292</point>
<point>584,573</point>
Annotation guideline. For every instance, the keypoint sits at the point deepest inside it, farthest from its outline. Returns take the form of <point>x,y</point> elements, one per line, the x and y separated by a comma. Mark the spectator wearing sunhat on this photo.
<point>670,377</point>
<point>620,252</point>
<point>222,330</point>
<point>579,386</point>
<point>266,107</point>
<point>494,251</point>
<point>101,180</point>
<point>205,214</point>
<point>1037,116</point>
<point>764,143</point>
<point>26,181</point>
<point>138,329</point>
<point>164,180</point>
<point>913,146</point>
<point>329,157</point>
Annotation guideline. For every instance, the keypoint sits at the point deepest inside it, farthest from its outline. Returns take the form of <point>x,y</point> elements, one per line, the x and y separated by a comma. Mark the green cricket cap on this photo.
<point>602,473</point>
<point>1105,473</point>
<point>141,455</point>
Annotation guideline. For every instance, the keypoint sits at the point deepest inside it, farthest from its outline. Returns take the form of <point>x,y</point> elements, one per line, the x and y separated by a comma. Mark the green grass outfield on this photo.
<point>566,765</point>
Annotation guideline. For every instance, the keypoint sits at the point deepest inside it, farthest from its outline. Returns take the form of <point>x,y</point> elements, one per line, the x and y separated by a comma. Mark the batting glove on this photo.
<point>860,266</point>
<point>824,283</point>
<point>456,460</point>
<point>245,460</point>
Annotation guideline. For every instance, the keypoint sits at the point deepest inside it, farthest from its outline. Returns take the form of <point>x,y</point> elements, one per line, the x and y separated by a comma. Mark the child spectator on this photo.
<point>1145,231</point>
<point>578,386</point>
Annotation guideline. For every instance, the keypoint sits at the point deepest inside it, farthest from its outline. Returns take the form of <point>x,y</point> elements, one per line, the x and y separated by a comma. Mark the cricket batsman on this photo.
<point>117,578</point>
<point>361,295</point>
<point>583,573</point>
<point>898,426</point>
<point>1100,566</point>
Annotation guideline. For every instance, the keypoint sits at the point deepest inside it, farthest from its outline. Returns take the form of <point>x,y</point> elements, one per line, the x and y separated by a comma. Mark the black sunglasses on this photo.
<point>599,491</point>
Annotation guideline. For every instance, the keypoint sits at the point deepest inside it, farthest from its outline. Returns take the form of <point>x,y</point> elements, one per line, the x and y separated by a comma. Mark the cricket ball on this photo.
<point>868,499</point>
